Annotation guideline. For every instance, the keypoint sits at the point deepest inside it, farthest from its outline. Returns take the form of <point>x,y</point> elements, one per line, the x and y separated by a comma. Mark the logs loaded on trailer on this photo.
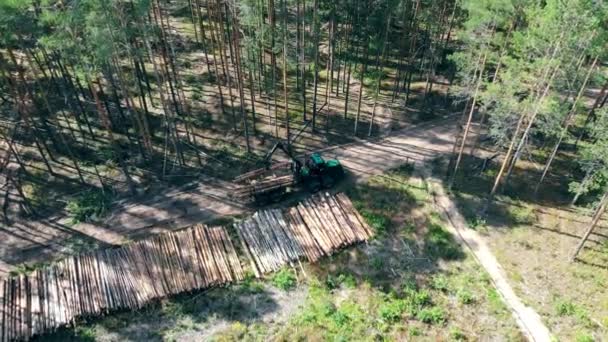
<point>199,257</point>
<point>316,227</point>
<point>271,183</point>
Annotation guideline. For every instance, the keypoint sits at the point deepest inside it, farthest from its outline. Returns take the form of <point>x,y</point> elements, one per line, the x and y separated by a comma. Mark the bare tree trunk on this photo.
<point>108,126</point>
<point>285,93</point>
<point>596,218</point>
<point>581,189</point>
<point>315,26</point>
<point>469,120</point>
<point>599,102</point>
<point>379,65</point>
<point>360,100</point>
<point>235,40</point>
<point>568,122</point>
<point>303,59</point>
<point>515,137</point>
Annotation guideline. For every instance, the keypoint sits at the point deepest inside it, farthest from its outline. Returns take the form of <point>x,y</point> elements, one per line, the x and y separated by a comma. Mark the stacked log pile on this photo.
<point>198,257</point>
<point>314,228</point>
<point>122,278</point>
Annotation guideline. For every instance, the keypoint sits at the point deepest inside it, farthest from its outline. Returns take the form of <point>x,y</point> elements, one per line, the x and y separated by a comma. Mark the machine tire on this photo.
<point>313,185</point>
<point>328,182</point>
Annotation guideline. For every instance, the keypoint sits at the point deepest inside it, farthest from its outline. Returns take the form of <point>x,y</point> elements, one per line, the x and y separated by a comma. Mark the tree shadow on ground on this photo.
<point>245,303</point>
<point>408,241</point>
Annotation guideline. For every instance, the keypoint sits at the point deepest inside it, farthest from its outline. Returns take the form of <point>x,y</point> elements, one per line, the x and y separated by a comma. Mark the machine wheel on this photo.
<point>313,185</point>
<point>328,182</point>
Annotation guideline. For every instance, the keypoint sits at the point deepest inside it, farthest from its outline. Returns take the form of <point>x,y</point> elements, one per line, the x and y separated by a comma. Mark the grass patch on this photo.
<point>285,279</point>
<point>521,213</point>
<point>434,315</point>
<point>440,244</point>
<point>89,206</point>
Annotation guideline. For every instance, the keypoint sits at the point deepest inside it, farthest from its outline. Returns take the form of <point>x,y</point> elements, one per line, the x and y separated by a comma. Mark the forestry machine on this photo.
<point>271,183</point>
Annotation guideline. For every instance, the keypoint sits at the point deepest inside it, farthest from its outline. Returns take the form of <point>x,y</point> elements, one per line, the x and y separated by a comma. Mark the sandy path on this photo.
<point>529,321</point>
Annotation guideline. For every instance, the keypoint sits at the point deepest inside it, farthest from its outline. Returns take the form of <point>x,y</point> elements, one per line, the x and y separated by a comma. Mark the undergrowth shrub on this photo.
<point>285,279</point>
<point>439,243</point>
<point>89,206</point>
<point>379,223</point>
<point>392,309</point>
<point>434,315</point>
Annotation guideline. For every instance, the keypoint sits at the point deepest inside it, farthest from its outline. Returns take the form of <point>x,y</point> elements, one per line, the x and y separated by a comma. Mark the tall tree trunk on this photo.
<point>108,126</point>
<point>598,103</point>
<point>507,159</point>
<point>532,119</point>
<point>584,183</point>
<point>239,74</point>
<point>303,60</point>
<point>596,218</point>
<point>379,66</point>
<point>363,71</point>
<point>273,63</point>
<point>330,67</point>
<point>568,122</point>
<point>315,26</point>
<point>286,99</point>
<point>469,120</point>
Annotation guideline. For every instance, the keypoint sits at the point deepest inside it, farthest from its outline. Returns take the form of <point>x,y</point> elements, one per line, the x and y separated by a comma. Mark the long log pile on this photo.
<point>198,257</point>
<point>316,227</point>
<point>122,278</point>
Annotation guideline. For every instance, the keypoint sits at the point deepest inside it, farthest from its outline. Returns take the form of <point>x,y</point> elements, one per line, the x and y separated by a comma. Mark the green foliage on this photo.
<point>251,285</point>
<point>476,222</point>
<point>434,315</point>
<point>439,243</point>
<point>343,279</point>
<point>376,263</point>
<point>457,335</point>
<point>86,334</point>
<point>75,245</point>
<point>584,337</point>
<point>27,268</point>
<point>379,223</point>
<point>565,308</point>
<point>593,158</point>
<point>440,282</point>
<point>465,296</point>
<point>89,206</point>
<point>414,331</point>
<point>285,279</point>
<point>522,214</point>
<point>392,309</point>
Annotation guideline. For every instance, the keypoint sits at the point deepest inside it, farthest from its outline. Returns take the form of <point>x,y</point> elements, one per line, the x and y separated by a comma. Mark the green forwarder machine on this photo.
<point>271,183</point>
